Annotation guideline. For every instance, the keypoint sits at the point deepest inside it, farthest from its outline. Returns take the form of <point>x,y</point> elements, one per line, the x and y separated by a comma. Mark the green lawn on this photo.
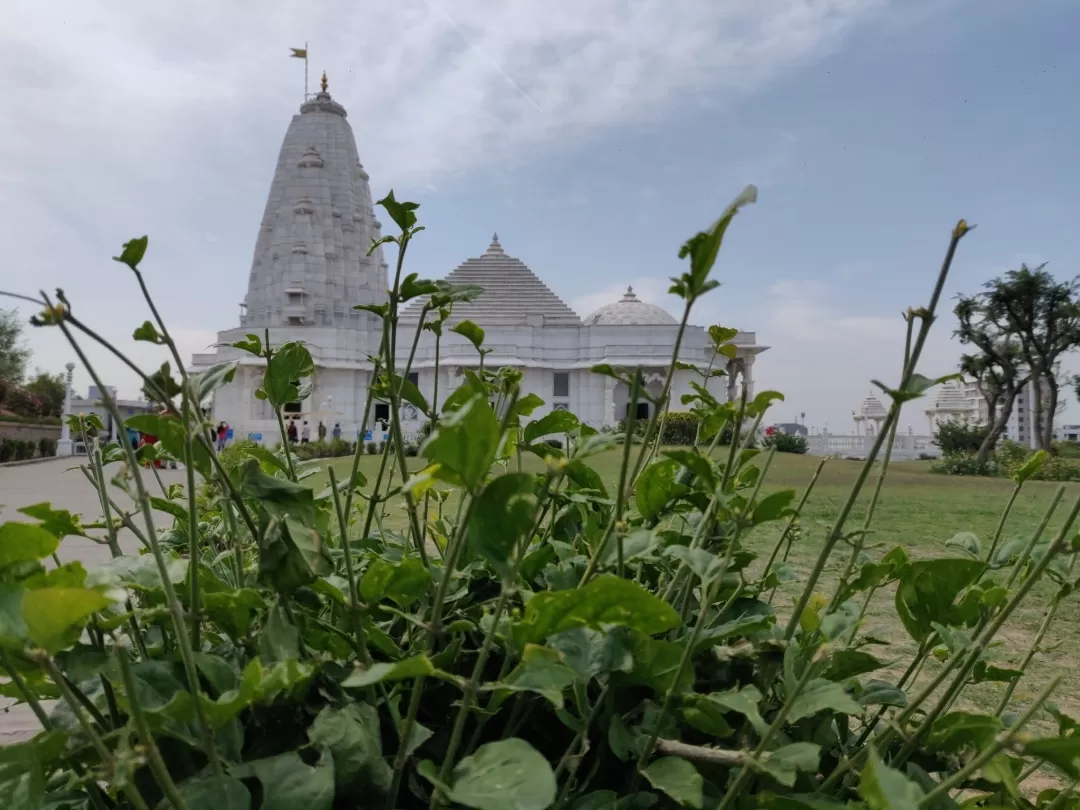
<point>918,511</point>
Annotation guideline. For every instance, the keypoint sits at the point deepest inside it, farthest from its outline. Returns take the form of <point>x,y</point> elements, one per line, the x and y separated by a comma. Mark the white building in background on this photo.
<point>961,401</point>
<point>311,267</point>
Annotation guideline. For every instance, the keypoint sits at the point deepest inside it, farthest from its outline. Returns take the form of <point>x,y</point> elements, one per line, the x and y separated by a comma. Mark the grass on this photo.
<point>917,510</point>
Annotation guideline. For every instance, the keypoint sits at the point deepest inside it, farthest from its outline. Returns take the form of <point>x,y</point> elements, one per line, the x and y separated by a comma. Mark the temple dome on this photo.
<point>871,408</point>
<point>630,311</point>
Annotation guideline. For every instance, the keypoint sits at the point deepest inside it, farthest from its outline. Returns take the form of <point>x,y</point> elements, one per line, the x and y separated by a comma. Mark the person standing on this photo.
<point>290,432</point>
<point>305,433</point>
<point>322,431</point>
<point>337,431</point>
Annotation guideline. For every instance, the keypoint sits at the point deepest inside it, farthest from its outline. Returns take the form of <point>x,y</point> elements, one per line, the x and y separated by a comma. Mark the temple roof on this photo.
<point>871,408</point>
<point>311,262</point>
<point>630,311</point>
<point>512,293</point>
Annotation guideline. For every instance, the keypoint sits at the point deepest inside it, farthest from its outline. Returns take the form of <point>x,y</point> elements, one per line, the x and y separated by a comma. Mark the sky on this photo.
<point>593,137</point>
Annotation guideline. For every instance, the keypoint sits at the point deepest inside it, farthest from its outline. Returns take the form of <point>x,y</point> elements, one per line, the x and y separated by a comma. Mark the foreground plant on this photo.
<point>550,639</point>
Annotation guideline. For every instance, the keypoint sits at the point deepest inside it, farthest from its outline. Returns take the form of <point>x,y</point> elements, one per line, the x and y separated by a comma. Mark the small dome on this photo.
<point>630,311</point>
<point>871,408</point>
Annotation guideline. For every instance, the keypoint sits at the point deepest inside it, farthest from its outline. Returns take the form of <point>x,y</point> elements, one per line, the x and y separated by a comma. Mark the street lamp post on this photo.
<point>66,447</point>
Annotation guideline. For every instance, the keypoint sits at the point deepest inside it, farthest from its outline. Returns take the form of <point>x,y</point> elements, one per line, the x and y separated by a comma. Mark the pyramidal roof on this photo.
<point>512,292</point>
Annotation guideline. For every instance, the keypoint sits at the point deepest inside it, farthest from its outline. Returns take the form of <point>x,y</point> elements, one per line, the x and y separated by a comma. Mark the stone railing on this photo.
<point>905,447</point>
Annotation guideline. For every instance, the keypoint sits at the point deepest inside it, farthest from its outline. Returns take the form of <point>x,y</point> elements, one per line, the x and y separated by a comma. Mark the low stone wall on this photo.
<point>26,430</point>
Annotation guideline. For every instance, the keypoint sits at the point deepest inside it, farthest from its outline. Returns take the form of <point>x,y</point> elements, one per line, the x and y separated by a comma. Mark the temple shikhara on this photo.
<point>311,268</point>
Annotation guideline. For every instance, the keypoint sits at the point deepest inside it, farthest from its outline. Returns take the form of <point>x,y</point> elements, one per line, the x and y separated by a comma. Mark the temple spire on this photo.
<point>323,83</point>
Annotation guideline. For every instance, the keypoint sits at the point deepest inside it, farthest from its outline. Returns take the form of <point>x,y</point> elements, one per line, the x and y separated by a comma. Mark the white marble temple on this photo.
<point>310,267</point>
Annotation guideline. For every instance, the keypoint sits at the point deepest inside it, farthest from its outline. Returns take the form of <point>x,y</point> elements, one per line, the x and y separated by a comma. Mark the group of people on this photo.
<point>304,434</point>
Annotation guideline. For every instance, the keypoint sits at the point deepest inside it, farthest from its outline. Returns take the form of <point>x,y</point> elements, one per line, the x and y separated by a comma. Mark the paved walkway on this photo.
<point>62,484</point>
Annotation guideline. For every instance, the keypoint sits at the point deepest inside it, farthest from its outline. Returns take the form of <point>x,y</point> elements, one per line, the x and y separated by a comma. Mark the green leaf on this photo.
<point>352,735</point>
<point>722,334</point>
<point>705,565</point>
<point>967,542</point>
<point>704,247</point>
<point>149,333</point>
<point>884,788</point>
<point>1064,752</point>
<point>844,664</point>
<point>882,693</point>
<point>54,617</point>
<point>25,542</point>
<point>213,378</point>
<point>928,590</point>
<point>1030,467</point>
<point>696,463</point>
<point>401,670</point>
<point>403,582</point>
<point>957,731</point>
<point>505,775</point>
<point>471,332</point>
<point>699,712</point>
<point>465,442</point>
<point>251,344</point>
<point>773,506</point>
<point>819,695</point>
<point>410,393</point>
<point>292,555</point>
<point>606,600</point>
<point>590,653</point>
<point>59,522</point>
<point>502,519</point>
<point>678,779</point>
<point>403,213</point>
<point>213,793</point>
<point>169,430</point>
<point>784,763</point>
<point>290,364</point>
<point>541,670</point>
<point>744,701</point>
<point>656,664</point>
<point>413,287</point>
<point>762,401</point>
<point>554,422</point>
<point>289,783</point>
<point>280,638</point>
<point>133,252</point>
<point>656,487</point>
<point>265,456</point>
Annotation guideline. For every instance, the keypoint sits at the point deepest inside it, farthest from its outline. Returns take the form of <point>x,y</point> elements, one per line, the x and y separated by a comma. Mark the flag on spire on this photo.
<point>301,53</point>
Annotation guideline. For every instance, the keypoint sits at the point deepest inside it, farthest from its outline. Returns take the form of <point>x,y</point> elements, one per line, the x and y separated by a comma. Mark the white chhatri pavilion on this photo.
<point>311,266</point>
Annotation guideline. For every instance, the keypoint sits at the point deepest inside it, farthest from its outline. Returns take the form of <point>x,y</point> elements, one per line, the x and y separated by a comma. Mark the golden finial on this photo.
<point>323,83</point>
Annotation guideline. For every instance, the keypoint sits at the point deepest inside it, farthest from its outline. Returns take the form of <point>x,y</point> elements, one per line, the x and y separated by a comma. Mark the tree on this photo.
<point>13,354</point>
<point>51,389</point>
<point>1044,315</point>
<point>998,365</point>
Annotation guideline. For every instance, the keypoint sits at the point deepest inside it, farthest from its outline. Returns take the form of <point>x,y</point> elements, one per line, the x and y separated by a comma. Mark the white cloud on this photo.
<point>128,117</point>
<point>823,357</point>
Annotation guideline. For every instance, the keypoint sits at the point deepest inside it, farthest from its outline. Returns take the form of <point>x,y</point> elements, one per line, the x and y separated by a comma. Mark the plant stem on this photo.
<point>927,320</point>
<point>157,764</point>
<point>350,571</point>
<point>791,520</point>
<point>175,608</point>
<point>974,764</point>
<point>1001,522</point>
<point>130,790</point>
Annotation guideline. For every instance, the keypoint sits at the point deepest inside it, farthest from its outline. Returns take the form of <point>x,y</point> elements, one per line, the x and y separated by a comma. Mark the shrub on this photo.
<point>22,403</point>
<point>1066,449</point>
<point>568,647</point>
<point>372,448</point>
<point>680,428</point>
<point>7,449</point>
<point>955,437</point>
<point>46,446</point>
<point>964,464</point>
<point>787,442</point>
<point>411,448</point>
